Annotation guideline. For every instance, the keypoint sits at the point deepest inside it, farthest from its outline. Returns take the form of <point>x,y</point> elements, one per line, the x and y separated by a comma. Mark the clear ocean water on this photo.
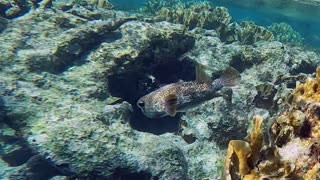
<point>301,16</point>
<point>159,89</point>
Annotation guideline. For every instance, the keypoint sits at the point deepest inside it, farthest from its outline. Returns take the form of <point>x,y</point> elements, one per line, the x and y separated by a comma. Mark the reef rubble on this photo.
<point>70,80</point>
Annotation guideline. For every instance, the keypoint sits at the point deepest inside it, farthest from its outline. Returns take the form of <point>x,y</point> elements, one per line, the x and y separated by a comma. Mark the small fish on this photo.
<point>181,96</point>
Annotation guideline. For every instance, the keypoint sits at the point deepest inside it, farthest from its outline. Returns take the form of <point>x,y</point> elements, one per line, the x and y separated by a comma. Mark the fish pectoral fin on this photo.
<point>171,105</point>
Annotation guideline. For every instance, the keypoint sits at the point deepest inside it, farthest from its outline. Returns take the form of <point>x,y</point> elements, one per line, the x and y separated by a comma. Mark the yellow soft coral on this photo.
<point>295,149</point>
<point>308,91</point>
<point>241,154</point>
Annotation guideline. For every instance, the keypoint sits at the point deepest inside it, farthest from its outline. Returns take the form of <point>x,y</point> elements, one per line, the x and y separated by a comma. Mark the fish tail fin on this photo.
<point>230,77</point>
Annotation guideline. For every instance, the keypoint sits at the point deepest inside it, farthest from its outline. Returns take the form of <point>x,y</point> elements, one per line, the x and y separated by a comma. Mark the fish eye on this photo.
<point>140,104</point>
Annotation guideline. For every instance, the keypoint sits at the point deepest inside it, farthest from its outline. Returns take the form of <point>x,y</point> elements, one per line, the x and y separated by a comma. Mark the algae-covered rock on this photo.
<point>62,133</point>
<point>141,42</point>
<point>84,144</point>
<point>283,32</point>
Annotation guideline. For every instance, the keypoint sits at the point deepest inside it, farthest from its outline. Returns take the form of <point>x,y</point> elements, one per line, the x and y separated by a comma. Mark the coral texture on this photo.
<point>294,150</point>
<point>71,77</point>
<point>246,33</point>
<point>201,15</point>
<point>283,32</point>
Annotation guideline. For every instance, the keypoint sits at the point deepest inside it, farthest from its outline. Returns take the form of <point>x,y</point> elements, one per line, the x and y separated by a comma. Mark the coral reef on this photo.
<point>200,15</point>
<point>246,33</point>
<point>294,149</point>
<point>204,16</point>
<point>72,75</point>
<point>152,6</point>
<point>283,32</point>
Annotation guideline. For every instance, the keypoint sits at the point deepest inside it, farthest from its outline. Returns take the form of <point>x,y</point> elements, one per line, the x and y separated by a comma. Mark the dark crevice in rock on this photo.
<point>305,130</point>
<point>119,173</point>
<point>35,168</point>
<point>125,174</point>
<point>239,63</point>
<point>189,138</point>
<point>14,149</point>
<point>304,67</point>
<point>265,96</point>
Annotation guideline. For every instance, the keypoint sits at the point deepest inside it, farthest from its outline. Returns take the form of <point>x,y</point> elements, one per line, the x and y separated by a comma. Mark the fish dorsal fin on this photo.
<point>201,75</point>
<point>171,104</point>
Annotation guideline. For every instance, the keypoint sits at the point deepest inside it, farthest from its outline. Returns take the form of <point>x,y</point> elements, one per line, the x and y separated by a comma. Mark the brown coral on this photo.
<point>308,91</point>
<point>241,154</point>
<point>295,149</point>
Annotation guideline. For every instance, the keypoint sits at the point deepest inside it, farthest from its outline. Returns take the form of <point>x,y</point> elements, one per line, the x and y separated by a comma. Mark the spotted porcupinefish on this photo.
<point>181,96</point>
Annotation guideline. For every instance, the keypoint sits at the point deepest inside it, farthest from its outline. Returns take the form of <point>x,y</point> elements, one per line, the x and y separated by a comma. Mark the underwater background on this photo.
<point>71,73</point>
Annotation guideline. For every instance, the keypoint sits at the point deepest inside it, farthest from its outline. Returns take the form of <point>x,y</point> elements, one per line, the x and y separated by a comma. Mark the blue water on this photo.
<point>303,18</point>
